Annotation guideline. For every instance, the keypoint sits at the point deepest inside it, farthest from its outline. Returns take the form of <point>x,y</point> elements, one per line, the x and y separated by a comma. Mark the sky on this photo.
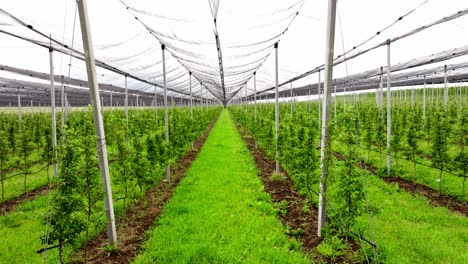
<point>121,40</point>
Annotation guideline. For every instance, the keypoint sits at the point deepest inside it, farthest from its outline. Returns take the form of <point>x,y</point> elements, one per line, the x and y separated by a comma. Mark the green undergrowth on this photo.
<point>14,186</point>
<point>408,229</point>
<point>219,212</point>
<point>451,184</point>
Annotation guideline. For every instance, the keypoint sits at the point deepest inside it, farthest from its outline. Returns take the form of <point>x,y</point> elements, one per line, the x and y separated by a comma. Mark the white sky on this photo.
<point>300,49</point>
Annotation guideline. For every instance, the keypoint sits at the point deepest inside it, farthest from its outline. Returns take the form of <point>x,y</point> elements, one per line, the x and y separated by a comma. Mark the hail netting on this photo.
<point>231,41</point>
<point>121,49</point>
<point>127,40</point>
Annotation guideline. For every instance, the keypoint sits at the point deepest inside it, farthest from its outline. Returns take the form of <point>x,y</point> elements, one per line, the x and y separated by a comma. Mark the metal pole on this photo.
<point>389,111</point>
<point>277,167</point>
<point>319,102</point>
<point>111,99</point>
<point>137,103</point>
<point>19,108</point>
<point>166,111</point>
<point>335,100</point>
<point>412,96</point>
<point>324,144</point>
<point>255,97</point>
<point>291,97</point>
<point>445,88</point>
<point>53,115</point>
<point>155,99</point>
<point>424,98</point>
<point>381,88</point>
<point>191,100</point>
<point>98,120</point>
<point>245,96</point>
<point>126,109</point>
<point>255,102</point>
<point>62,104</point>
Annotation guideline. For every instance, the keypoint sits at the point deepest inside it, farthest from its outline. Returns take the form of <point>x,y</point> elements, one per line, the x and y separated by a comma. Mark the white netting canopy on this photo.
<point>223,43</point>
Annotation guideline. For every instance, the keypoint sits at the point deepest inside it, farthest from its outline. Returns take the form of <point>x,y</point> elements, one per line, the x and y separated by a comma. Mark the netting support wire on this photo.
<point>166,111</point>
<point>220,60</point>
<point>126,110</point>
<point>328,85</point>
<point>445,88</point>
<point>389,110</point>
<point>98,120</point>
<point>277,167</point>
<point>52,112</point>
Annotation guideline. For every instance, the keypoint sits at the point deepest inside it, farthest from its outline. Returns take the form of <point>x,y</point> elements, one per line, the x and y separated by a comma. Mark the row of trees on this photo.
<point>138,155</point>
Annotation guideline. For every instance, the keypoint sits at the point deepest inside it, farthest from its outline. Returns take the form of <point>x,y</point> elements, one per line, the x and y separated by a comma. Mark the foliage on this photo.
<point>63,216</point>
<point>439,148</point>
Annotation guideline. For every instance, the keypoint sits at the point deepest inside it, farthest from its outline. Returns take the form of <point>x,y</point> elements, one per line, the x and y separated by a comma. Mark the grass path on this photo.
<point>219,212</point>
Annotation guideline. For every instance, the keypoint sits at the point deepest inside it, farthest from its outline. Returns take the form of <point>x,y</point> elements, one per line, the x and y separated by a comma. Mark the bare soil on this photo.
<point>296,216</point>
<point>434,197</point>
<point>10,205</point>
<point>132,226</point>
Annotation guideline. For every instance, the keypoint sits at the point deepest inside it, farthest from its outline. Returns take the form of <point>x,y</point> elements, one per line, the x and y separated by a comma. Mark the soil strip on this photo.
<point>10,205</point>
<point>296,218</point>
<point>434,197</point>
<point>132,226</point>
<point>283,190</point>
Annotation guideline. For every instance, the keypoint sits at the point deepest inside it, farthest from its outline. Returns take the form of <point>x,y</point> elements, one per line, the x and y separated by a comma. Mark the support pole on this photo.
<point>166,111</point>
<point>335,100</point>
<point>245,96</point>
<point>412,96</point>
<point>319,102</point>
<point>445,88</point>
<point>155,99</point>
<point>98,120</point>
<point>324,144</point>
<point>389,112</point>
<point>191,99</point>
<point>277,167</point>
<point>111,99</point>
<point>424,98</point>
<point>255,102</point>
<point>126,110</point>
<point>381,88</point>
<point>20,117</point>
<point>291,97</point>
<point>52,113</point>
<point>62,105</point>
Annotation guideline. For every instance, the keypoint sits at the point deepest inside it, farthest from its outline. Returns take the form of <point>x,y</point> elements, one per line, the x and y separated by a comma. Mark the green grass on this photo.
<point>22,228</point>
<point>451,184</point>
<point>14,186</point>
<point>20,233</point>
<point>409,230</point>
<point>219,213</point>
